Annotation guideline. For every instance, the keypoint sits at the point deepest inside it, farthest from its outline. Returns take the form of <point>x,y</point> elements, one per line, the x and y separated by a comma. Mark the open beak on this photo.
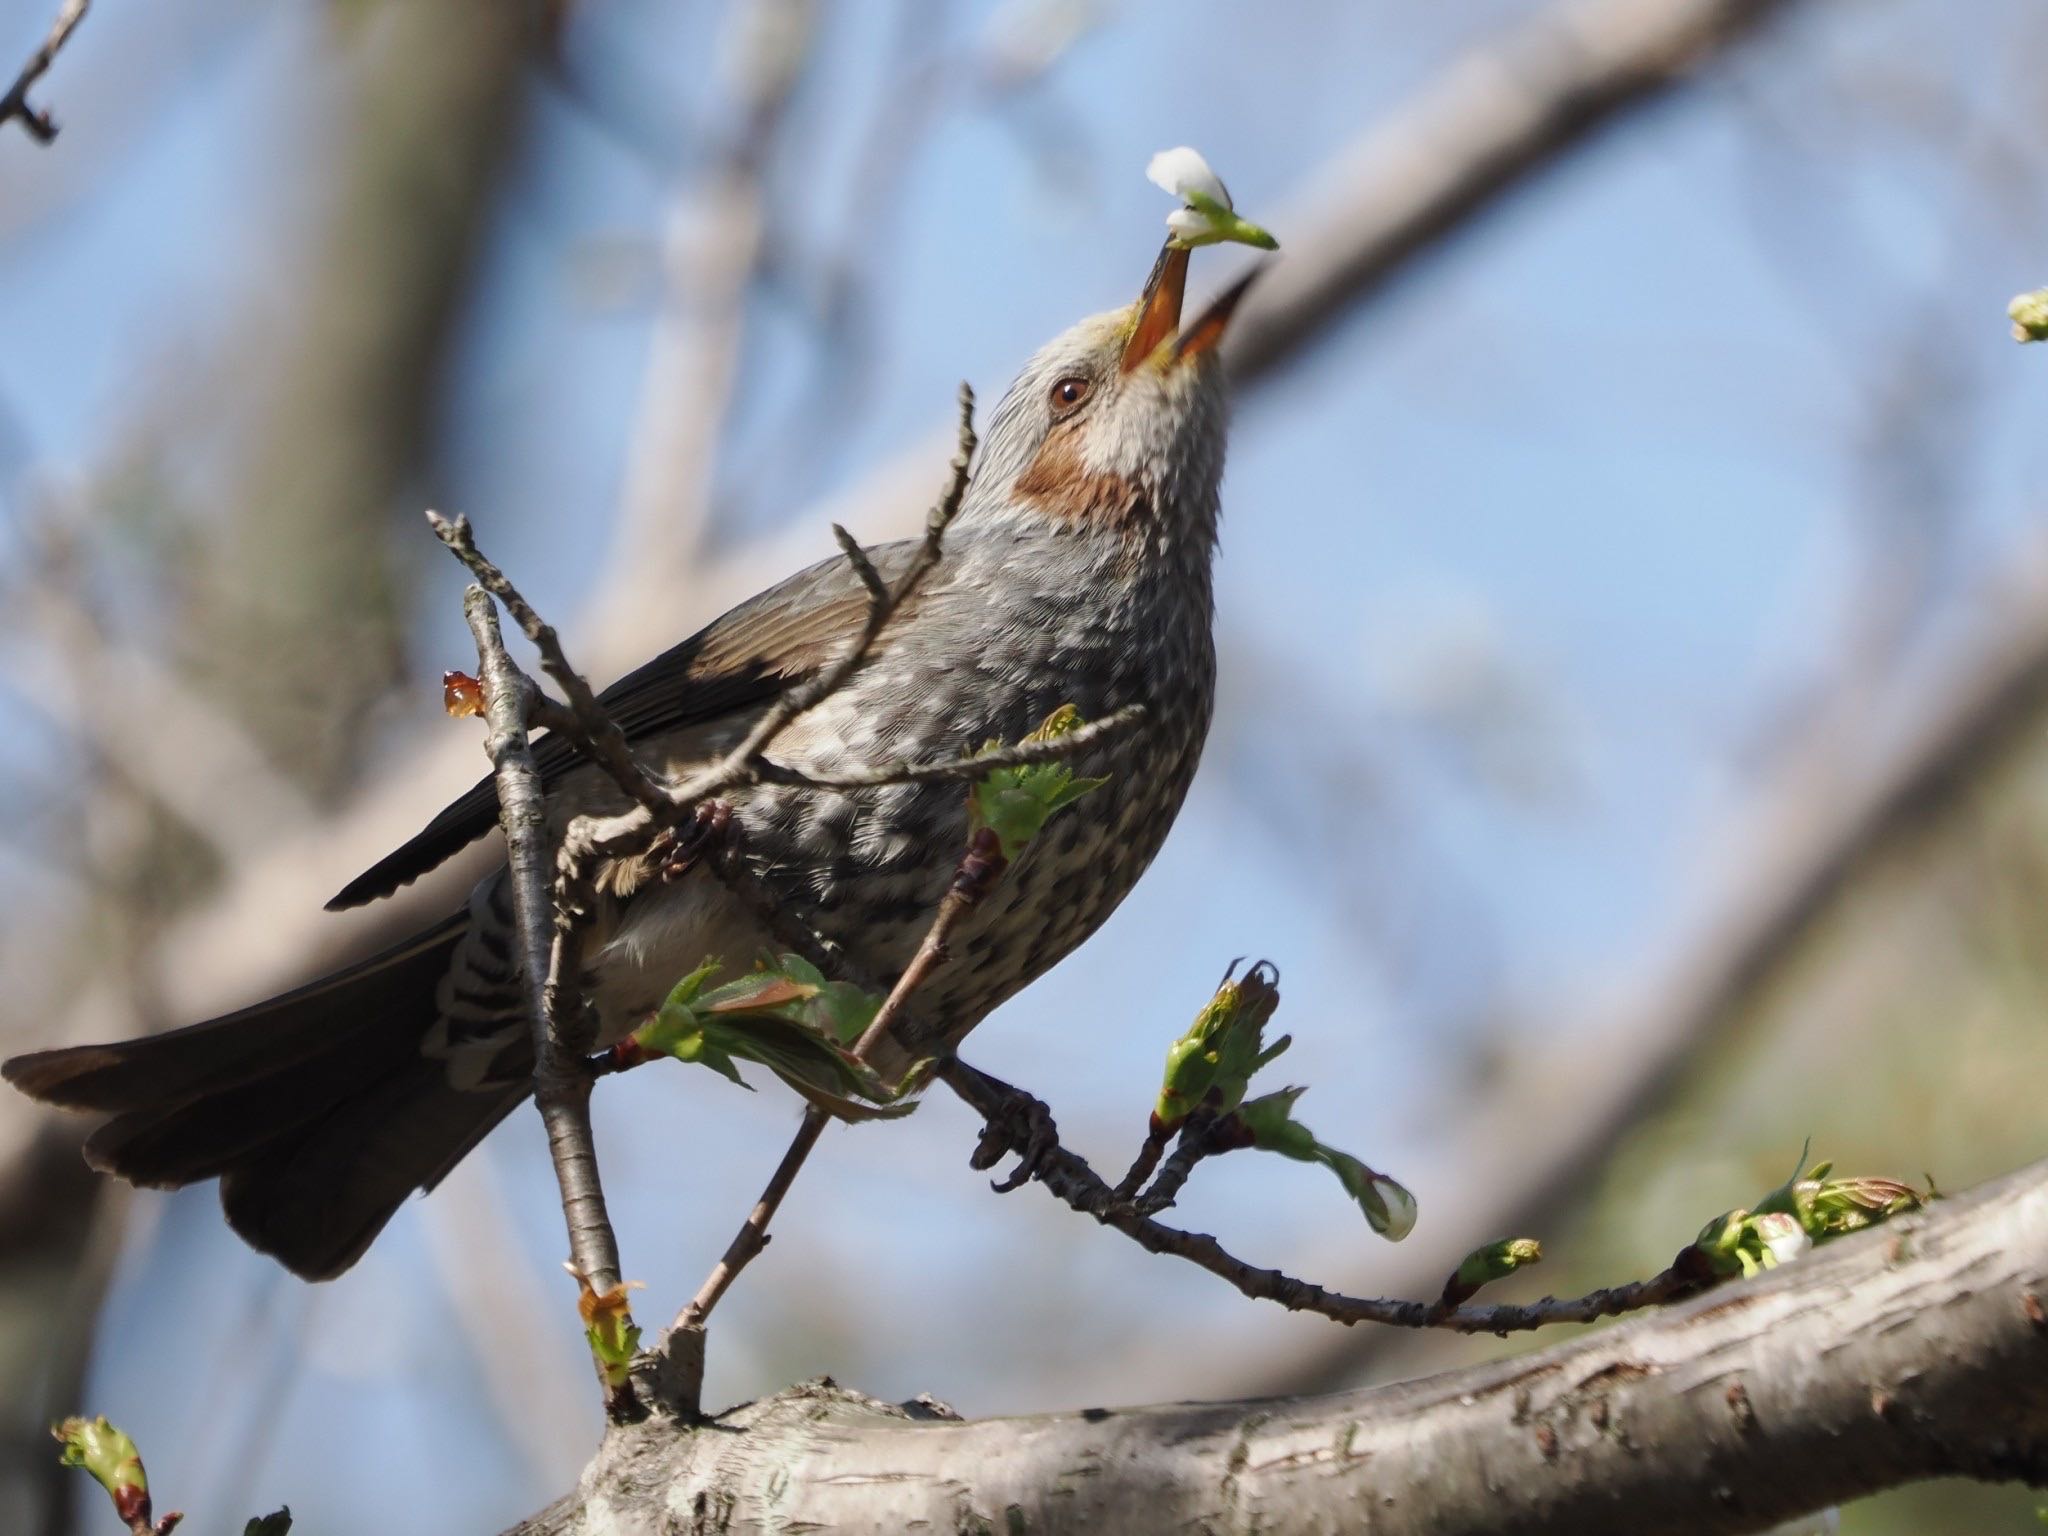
<point>1159,312</point>
<point>1159,307</point>
<point>1213,321</point>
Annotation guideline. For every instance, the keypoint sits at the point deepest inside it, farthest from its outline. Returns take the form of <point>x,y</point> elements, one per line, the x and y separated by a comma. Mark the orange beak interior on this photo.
<point>1159,307</point>
<point>1159,312</point>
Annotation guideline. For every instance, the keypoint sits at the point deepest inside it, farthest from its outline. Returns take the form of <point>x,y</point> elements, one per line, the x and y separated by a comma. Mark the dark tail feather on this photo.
<point>316,1110</point>
<point>391,994</point>
<point>318,1199</point>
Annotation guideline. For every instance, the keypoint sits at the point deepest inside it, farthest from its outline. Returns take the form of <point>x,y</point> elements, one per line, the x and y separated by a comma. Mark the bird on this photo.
<point>1078,571</point>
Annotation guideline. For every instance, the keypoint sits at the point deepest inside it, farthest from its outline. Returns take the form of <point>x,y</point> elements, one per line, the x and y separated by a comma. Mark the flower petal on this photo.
<point>1182,171</point>
<point>1399,1206</point>
<point>1190,227</point>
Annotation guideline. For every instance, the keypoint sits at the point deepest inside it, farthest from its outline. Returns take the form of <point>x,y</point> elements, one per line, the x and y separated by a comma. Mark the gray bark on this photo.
<point>1912,1351</point>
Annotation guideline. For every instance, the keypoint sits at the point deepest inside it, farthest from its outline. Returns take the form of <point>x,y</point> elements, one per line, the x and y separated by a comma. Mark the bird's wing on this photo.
<point>736,663</point>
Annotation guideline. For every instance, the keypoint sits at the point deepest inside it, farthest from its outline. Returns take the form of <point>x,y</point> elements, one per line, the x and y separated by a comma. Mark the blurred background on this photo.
<point>1634,621</point>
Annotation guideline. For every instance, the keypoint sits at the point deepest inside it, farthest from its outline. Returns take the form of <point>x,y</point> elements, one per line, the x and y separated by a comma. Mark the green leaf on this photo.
<point>105,1452</point>
<point>1496,1261</point>
<point>1213,1062</point>
<point>786,1017</point>
<point>1016,802</point>
<point>2029,314</point>
<point>278,1523</point>
<point>608,1327</point>
<point>1388,1206</point>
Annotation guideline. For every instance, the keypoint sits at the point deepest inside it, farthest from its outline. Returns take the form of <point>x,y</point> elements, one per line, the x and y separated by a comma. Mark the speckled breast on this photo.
<point>868,868</point>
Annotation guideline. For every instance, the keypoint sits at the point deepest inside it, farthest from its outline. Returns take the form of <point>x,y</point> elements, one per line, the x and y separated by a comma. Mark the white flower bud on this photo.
<point>1206,215</point>
<point>1783,1236</point>
<point>1184,173</point>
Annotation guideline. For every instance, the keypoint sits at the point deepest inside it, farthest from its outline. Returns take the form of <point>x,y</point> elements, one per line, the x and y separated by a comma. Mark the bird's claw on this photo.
<point>681,849</point>
<point>1036,1137</point>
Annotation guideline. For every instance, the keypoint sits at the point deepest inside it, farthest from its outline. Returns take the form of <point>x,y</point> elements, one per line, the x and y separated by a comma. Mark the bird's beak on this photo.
<point>1159,307</point>
<point>1210,324</point>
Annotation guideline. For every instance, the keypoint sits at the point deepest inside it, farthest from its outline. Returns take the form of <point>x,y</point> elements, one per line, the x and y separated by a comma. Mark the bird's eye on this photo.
<point>1069,392</point>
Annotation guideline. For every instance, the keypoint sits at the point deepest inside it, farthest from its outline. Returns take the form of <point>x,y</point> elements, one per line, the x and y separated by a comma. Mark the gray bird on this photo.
<point>1078,571</point>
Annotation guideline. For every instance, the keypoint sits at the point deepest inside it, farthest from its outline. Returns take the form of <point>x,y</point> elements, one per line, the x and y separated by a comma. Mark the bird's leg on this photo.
<point>678,850</point>
<point>1020,1124</point>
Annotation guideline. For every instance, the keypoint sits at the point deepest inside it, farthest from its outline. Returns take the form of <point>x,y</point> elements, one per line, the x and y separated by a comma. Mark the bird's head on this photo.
<point>1117,425</point>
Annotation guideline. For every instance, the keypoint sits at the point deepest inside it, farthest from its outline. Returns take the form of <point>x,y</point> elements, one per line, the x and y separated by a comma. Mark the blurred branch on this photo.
<point>491,1291</point>
<point>202,768</point>
<point>712,247</point>
<point>39,125</point>
<point>1890,1357</point>
<point>1353,240</point>
<point>1805,840</point>
<point>299,573</point>
<point>1491,121</point>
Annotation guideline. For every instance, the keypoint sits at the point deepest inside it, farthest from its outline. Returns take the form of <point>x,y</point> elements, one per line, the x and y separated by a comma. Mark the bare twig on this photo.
<point>564,1030</point>
<point>752,1236</point>
<point>1157,1137</point>
<point>976,874</point>
<point>594,729</point>
<point>39,125</point>
<point>1198,1139</point>
<point>561,1079</point>
<point>1018,1121</point>
<point>742,764</point>
<point>974,766</point>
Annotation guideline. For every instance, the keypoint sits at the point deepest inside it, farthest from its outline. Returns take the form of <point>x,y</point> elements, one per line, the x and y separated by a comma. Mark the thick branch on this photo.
<point>1912,1351</point>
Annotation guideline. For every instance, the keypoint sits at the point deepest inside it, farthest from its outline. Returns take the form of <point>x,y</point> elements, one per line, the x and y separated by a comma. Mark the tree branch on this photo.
<point>1797,848</point>
<point>1017,1123</point>
<point>561,1077</point>
<point>1907,1352</point>
<point>39,125</point>
<point>1497,116</point>
<point>684,1343</point>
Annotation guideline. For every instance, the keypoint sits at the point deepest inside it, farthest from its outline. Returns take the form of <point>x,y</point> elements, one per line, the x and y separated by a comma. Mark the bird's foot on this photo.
<point>681,849</point>
<point>1026,1128</point>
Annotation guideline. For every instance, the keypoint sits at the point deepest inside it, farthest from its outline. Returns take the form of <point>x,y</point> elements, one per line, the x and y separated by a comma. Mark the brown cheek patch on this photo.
<point>1057,484</point>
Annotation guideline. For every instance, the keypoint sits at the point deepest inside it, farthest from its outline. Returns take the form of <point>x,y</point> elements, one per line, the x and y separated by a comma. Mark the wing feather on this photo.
<point>735,664</point>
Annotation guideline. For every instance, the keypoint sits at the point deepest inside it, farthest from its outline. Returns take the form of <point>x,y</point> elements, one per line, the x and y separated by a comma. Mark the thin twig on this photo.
<point>1017,1120</point>
<point>752,1236</point>
<point>970,884</point>
<point>1198,1140</point>
<point>661,805</point>
<point>39,125</point>
<point>742,765</point>
<point>1156,1138</point>
<point>974,766</point>
<point>589,722</point>
<point>561,1080</point>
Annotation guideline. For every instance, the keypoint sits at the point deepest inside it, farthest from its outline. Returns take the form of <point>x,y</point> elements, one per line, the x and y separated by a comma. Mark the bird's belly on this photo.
<point>664,933</point>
